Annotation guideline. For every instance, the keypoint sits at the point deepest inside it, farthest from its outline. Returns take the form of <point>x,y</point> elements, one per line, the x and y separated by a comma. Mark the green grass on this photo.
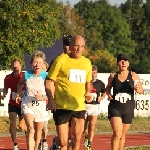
<point>103,125</point>
<point>139,148</point>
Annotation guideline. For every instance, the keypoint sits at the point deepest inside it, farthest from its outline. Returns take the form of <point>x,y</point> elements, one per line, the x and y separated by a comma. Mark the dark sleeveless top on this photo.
<point>123,87</point>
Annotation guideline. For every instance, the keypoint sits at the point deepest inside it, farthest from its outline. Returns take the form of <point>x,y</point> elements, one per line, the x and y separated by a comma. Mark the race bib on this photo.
<point>122,97</point>
<point>33,103</point>
<point>77,75</point>
<point>94,96</point>
<point>14,95</point>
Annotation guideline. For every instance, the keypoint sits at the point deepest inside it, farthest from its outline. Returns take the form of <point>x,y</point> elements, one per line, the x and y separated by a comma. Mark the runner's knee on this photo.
<point>117,135</point>
<point>31,130</point>
<point>12,123</point>
<point>63,142</point>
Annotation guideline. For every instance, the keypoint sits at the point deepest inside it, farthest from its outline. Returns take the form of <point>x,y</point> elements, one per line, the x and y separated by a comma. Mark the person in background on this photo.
<point>66,49</point>
<point>34,99</point>
<point>10,82</point>
<point>122,103</point>
<point>92,109</point>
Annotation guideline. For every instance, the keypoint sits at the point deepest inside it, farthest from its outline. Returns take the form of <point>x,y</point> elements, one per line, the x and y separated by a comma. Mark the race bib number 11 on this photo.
<point>77,75</point>
<point>122,97</point>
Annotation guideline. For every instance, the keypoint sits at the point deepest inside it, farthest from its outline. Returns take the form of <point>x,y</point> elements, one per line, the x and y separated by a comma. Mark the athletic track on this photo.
<point>100,142</point>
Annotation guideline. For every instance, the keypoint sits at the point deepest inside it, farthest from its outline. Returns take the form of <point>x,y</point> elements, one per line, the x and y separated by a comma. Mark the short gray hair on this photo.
<point>94,67</point>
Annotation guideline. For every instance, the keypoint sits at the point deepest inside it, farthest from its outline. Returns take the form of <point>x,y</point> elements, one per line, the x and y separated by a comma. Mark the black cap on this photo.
<point>122,57</point>
<point>67,39</point>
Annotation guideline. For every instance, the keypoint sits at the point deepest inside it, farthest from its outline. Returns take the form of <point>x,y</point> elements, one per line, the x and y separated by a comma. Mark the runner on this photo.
<point>122,104</point>
<point>34,100</point>
<point>66,48</point>
<point>72,84</point>
<point>10,82</point>
<point>44,145</point>
<point>92,110</point>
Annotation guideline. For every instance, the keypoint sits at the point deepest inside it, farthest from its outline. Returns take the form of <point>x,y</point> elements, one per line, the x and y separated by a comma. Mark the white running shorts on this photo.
<point>36,108</point>
<point>92,110</point>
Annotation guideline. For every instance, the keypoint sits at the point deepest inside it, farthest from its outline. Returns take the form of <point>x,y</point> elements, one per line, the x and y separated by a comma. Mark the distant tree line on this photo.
<point>108,30</point>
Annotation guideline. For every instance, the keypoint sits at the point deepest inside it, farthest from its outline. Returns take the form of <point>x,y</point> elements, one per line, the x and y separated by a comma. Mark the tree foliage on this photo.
<point>104,60</point>
<point>137,14</point>
<point>70,22</point>
<point>105,27</point>
<point>25,26</point>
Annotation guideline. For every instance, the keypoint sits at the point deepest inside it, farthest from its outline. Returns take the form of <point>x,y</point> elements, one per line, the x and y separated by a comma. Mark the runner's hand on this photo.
<point>2,97</point>
<point>137,87</point>
<point>88,97</point>
<point>18,98</point>
<point>110,97</point>
<point>52,105</point>
<point>99,99</point>
<point>39,96</point>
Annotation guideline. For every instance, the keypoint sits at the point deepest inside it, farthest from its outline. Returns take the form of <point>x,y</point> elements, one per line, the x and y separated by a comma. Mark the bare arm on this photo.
<point>20,86</point>
<point>138,88</point>
<point>50,92</point>
<point>103,95</point>
<point>88,87</point>
<point>5,89</point>
<point>5,92</point>
<point>109,86</point>
<point>50,88</point>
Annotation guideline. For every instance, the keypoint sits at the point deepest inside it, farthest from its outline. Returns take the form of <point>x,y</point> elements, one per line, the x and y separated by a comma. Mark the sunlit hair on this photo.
<point>38,54</point>
<point>94,68</point>
<point>46,65</point>
<point>15,60</point>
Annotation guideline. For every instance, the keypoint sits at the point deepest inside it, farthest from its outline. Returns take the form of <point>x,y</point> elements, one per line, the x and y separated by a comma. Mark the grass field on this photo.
<point>139,124</point>
<point>139,148</point>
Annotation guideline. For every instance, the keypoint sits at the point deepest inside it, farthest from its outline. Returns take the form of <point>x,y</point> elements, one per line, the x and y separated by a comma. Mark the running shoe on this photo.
<point>54,146</point>
<point>44,146</point>
<point>16,147</point>
<point>85,142</point>
<point>39,147</point>
<point>88,147</point>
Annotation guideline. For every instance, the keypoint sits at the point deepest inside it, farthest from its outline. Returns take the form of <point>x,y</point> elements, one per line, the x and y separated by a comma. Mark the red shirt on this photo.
<point>11,82</point>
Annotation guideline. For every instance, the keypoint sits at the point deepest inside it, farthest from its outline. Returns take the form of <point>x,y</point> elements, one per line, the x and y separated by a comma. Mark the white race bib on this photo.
<point>14,95</point>
<point>33,103</point>
<point>94,96</point>
<point>77,75</point>
<point>122,97</point>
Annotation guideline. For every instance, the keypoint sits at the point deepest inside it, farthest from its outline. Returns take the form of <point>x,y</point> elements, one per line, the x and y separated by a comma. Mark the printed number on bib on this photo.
<point>94,96</point>
<point>77,75</point>
<point>34,103</point>
<point>122,97</point>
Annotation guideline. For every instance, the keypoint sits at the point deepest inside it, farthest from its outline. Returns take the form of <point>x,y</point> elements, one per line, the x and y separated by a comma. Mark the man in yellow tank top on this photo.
<point>67,86</point>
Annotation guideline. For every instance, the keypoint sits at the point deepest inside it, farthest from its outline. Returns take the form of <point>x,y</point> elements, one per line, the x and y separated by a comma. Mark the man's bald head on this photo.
<point>77,46</point>
<point>75,38</point>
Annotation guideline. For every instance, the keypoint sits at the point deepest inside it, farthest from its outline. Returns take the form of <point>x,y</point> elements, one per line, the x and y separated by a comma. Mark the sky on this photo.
<point>112,2</point>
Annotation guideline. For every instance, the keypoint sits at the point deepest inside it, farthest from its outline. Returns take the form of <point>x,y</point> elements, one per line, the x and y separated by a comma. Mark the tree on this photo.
<point>137,14</point>
<point>70,22</point>
<point>25,26</point>
<point>104,61</point>
<point>105,27</point>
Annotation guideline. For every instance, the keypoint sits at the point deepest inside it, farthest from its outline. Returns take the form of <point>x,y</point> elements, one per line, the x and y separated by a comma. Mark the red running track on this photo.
<point>100,142</point>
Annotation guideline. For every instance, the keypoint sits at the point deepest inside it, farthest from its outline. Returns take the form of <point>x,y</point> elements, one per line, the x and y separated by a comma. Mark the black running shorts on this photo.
<point>62,116</point>
<point>12,108</point>
<point>123,110</point>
